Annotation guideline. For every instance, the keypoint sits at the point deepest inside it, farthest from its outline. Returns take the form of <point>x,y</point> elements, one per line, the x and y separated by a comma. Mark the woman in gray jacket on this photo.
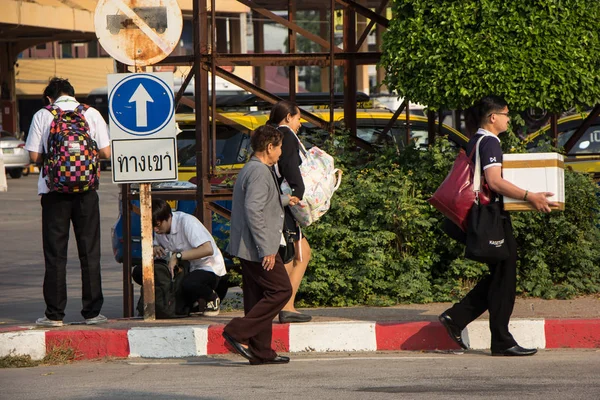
<point>256,230</point>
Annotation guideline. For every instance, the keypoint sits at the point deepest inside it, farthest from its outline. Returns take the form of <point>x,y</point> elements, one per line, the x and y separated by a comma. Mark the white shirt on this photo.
<point>188,233</point>
<point>37,140</point>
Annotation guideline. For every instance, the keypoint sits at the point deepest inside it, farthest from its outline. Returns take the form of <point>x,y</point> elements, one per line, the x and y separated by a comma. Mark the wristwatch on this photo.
<point>178,256</point>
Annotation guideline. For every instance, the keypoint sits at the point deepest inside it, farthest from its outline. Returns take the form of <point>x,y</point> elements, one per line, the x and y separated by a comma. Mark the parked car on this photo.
<point>370,124</point>
<point>585,155</point>
<point>14,155</point>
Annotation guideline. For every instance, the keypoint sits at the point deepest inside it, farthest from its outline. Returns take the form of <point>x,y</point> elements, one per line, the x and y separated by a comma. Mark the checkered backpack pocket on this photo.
<point>71,160</point>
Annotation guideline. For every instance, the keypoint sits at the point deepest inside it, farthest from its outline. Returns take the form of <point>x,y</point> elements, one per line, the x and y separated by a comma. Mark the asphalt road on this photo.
<point>22,260</point>
<point>559,374</point>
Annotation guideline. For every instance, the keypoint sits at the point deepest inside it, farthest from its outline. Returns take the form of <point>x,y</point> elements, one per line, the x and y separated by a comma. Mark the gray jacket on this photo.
<point>257,214</point>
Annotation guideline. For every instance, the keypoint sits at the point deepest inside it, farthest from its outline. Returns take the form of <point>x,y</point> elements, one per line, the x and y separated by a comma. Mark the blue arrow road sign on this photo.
<point>141,104</point>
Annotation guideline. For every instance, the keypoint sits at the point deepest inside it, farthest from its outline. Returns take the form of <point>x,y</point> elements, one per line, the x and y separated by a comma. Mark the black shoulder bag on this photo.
<point>486,241</point>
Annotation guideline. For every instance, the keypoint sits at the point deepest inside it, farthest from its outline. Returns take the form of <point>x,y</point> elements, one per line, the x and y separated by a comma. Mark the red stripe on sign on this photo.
<point>87,344</point>
<point>572,333</point>
<point>413,336</point>
<point>217,345</point>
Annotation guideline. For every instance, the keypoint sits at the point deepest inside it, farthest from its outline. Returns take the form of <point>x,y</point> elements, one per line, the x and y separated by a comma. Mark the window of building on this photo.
<point>66,50</point>
<point>92,49</point>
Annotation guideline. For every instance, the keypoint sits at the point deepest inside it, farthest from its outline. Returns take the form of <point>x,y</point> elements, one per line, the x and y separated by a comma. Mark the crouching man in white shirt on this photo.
<point>187,239</point>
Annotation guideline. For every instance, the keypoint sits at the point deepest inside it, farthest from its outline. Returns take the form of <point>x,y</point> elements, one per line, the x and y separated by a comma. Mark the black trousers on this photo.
<point>494,293</point>
<point>198,284</point>
<point>265,294</point>
<point>58,211</point>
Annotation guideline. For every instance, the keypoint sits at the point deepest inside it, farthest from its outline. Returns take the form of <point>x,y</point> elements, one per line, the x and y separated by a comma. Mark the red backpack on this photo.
<point>71,160</point>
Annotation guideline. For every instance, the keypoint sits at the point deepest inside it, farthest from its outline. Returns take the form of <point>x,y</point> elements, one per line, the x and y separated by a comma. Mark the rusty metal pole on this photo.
<point>430,127</point>
<point>147,259</point>
<point>201,46</point>
<point>259,48</point>
<point>554,128</point>
<point>350,70</point>
<point>126,235</point>
<point>147,256</point>
<point>292,71</point>
<point>407,116</point>
<point>332,68</point>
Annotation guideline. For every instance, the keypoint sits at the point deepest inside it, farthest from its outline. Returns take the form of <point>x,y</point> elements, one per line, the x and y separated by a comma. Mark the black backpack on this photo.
<point>168,293</point>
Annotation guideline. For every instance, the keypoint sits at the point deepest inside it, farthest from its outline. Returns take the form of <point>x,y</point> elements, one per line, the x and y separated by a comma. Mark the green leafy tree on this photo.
<point>537,53</point>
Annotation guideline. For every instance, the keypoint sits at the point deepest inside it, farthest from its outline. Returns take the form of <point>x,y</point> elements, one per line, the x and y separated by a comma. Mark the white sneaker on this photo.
<point>212,308</point>
<point>48,322</point>
<point>99,319</point>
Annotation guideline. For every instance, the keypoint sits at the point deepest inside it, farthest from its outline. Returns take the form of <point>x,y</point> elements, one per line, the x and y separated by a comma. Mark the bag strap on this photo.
<point>53,109</point>
<point>477,172</point>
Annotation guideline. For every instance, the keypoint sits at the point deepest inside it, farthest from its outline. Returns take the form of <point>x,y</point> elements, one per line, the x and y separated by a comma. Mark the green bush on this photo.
<point>381,242</point>
<point>448,54</point>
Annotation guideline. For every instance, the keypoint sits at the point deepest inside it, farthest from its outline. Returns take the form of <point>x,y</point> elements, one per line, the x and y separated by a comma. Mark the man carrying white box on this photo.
<point>496,292</point>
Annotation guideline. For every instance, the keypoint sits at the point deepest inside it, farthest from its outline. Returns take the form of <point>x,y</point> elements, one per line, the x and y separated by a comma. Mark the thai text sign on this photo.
<point>142,127</point>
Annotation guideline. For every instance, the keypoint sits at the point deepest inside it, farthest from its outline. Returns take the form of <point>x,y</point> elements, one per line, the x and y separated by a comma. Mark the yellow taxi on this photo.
<point>585,155</point>
<point>233,142</point>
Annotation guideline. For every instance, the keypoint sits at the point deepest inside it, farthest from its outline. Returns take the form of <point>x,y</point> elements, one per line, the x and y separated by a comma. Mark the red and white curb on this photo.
<point>201,340</point>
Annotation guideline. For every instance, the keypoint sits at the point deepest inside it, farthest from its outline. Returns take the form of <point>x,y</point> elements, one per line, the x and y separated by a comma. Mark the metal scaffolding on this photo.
<point>208,62</point>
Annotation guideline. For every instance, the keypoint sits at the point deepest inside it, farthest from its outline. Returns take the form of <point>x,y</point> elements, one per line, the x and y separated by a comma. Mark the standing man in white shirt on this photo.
<point>188,240</point>
<point>59,209</point>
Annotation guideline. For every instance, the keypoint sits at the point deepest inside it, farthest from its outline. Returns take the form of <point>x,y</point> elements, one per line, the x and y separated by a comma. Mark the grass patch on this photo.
<point>17,361</point>
<point>60,354</point>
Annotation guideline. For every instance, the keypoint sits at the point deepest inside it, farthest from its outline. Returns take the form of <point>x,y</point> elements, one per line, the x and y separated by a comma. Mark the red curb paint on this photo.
<point>14,329</point>
<point>572,333</point>
<point>216,342</point>
<point>90,344</point>
<point>413,336</point>
<point>217,345</point>
<point>281,338</point>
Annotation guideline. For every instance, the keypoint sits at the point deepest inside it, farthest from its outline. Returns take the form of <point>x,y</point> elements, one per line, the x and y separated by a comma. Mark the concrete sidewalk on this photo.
<point>536,323</point>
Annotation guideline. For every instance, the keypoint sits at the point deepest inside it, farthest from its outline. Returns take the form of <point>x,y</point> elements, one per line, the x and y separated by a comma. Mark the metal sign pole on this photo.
<point>147,251</point>
<point>141,108</point>
<point>147,256</point>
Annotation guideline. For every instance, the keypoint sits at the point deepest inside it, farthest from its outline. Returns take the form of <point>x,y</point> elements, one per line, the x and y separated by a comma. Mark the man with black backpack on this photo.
<point>192,268</point>
<point>68,138</point>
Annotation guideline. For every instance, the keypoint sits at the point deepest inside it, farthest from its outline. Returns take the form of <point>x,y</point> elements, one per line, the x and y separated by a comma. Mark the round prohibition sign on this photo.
<point>141,105</point>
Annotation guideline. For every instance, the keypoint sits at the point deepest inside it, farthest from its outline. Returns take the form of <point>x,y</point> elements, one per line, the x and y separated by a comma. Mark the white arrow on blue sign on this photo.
<point>142,127</point>
<point>141,105</point>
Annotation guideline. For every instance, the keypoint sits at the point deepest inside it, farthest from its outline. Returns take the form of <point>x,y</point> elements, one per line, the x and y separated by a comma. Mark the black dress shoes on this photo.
<point>453,330</point>
<point>237,346</point>
<point>276,360</point>
<point>515,351</point>
<point>286,317</point>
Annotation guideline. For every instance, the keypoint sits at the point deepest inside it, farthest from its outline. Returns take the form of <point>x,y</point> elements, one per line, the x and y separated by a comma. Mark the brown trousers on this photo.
<point>265,294</point>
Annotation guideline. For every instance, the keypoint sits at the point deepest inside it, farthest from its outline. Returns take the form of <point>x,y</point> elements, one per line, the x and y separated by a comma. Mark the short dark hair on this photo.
<point>478,113</point>
<point>57,87</point>
<point>280,110</point>
<point>265,135</point>
<point>161,211</point>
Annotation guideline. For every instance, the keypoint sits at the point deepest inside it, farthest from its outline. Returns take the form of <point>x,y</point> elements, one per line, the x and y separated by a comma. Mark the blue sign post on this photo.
<point>142,127</point>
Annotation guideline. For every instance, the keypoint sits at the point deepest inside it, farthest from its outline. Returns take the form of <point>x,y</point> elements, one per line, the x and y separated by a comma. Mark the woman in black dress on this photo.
<point>285,115</point>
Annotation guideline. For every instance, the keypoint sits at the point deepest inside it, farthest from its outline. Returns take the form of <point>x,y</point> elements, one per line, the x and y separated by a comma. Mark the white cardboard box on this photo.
<point>536,172</point>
